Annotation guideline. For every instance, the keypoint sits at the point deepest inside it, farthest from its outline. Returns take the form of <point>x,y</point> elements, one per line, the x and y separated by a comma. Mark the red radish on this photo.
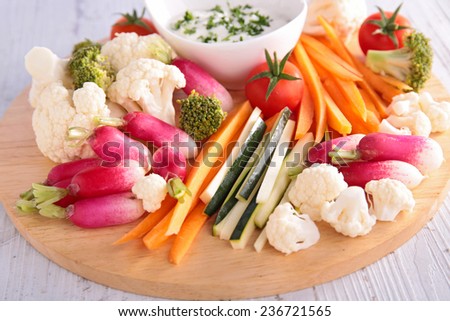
<point>113,146</point>
<point>105,211</point>
<point>88,183</point>
<point>319,152</point>
<point>67,170</point>
<point>202,82</point>
<point>360,173</point>
<point>99,181</point>
<point>155,131</point>
<point>68,199</point>
<point>169,163</point>
<point>422,152</point>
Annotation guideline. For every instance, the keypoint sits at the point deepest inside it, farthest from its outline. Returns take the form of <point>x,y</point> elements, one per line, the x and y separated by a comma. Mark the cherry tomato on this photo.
<point>133,23</point>
<point>383,31</point>
<point>286,93</point>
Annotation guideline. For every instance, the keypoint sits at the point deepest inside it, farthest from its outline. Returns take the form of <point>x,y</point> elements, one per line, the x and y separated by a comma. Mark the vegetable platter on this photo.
<point>213,270</point>
<point>141,161</point>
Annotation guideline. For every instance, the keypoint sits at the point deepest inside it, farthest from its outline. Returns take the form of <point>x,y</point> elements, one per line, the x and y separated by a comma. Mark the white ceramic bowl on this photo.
<point>230,62</point>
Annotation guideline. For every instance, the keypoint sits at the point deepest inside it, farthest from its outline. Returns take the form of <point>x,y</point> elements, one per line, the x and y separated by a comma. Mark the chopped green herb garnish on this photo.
<point>190,31</point>
<point>211,37</point>
<point>188,17</point>
<point>217,8</point>
<point>211,23</point>
<point>238,21</point>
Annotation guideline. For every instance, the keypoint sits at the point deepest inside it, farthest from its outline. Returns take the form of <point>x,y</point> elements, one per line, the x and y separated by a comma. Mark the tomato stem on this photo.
<point>387,26</point>
<point>133,20</point>
<point>275,72</point>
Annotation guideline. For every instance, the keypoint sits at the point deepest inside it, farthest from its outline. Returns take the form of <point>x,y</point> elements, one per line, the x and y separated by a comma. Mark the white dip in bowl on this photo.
<point>230,60</point>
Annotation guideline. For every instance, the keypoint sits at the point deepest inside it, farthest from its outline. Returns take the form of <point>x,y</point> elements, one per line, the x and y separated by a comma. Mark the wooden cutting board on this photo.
<point>212,270</point>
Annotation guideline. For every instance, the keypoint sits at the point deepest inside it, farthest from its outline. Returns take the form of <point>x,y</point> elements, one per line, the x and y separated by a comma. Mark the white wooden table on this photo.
<point>419,270</point>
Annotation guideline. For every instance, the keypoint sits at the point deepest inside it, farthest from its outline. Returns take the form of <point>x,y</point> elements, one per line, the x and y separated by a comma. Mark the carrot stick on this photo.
<point>335,41</point>
<point>394,82</point>
<point>358,125</point>
<point>335,118</point>
<point>377,81</point>
<point>148,222</point>
<point>369,103</point>
<point>305,114</point>
<point>323,40</point>
<point>351,92</point>
<point>348,89</point>
<point>376,99</point>
<point>271,121</point>
<point>329,60</point>
<point>341,50</point>
<point>322,72</point>
<point>372,121</point>
<point>313,82</point>
<point>209,155</point>
<point>157,235</point>
<point>380,81</point>
<point>380,105</point>
<point>188,232</point>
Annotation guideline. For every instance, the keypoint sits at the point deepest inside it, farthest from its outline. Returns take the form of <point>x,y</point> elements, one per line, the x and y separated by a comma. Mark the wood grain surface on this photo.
<point>212,270</point>
<point>418,270</point>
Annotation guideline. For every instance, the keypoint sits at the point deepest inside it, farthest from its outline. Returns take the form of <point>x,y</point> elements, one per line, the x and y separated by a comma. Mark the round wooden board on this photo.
<point>212,270</point>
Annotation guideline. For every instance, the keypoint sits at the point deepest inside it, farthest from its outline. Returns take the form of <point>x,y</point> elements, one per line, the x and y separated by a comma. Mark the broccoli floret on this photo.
<point>84,44</point>
<point>87,64</point>
<point>411,63</point>
<point>200,116</point>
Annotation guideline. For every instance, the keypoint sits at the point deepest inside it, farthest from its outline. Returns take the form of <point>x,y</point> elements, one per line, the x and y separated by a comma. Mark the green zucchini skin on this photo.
<point>257,171</point>
<point>227,205</point>
<point>245,153</point>
<point>231,198</point>
<point>244,220</point>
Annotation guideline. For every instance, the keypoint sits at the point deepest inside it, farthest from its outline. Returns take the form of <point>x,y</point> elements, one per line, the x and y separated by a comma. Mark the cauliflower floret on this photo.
<point>315,186</point>
<point>126,47</point>
<point>45,68</point>
<point>419,112</point>
<point>388,197</point>
<point>57,110</point>
<point>51,118</point>
<point>437,112</point>
<point>387,128</point>
<point>405,115</point>
<point>57,107</point>
<point>89,102</point>
<point>404,104</point>
<point>349,214</point>
<point>288,232</point>
<point>90,99</point>
<point>152,190</point>
<point>147,85</point>
<point>417,122</point>
<point>345,15</point>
